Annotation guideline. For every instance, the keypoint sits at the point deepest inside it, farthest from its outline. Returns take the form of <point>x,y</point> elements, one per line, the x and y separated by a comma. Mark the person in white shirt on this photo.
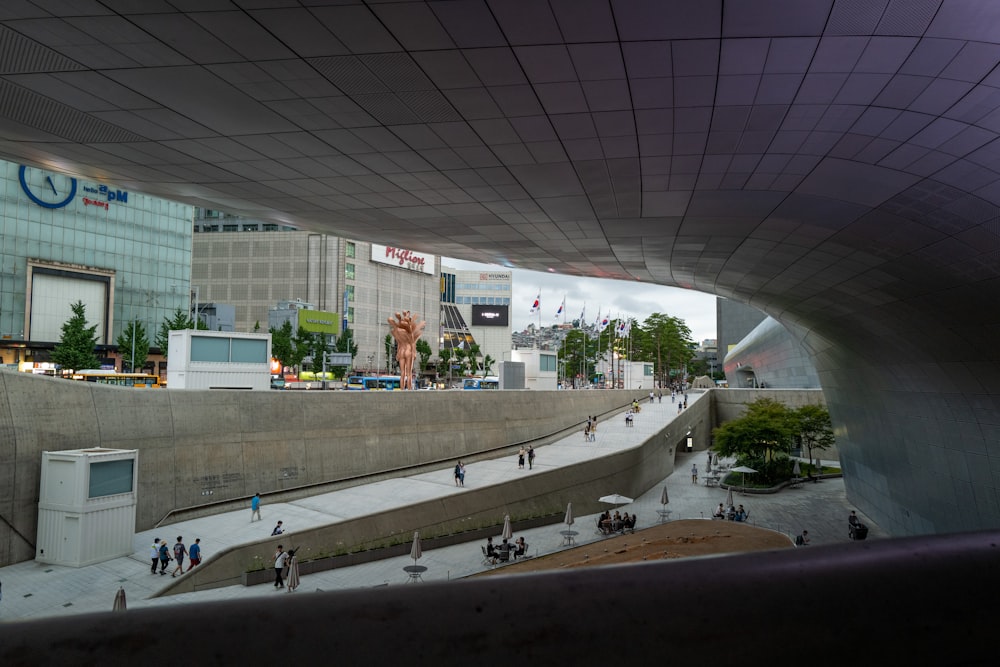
<point>279,564</point>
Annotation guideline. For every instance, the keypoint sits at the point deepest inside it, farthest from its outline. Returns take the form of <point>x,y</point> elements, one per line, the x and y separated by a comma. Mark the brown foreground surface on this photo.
<point>675,539</point>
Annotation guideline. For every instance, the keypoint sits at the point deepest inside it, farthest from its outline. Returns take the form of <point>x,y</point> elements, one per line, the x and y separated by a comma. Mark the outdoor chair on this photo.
<point>487,559</point>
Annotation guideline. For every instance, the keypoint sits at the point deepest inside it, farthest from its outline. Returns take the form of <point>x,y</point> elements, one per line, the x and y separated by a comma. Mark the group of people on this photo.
<point>528,453</point>
<point>286,569</point>
<point>617,523</point>
<point>161,556</point>
<point>506,551</point>
<point>731,513</point>
<point>590,430</point>
<point>459,474</point>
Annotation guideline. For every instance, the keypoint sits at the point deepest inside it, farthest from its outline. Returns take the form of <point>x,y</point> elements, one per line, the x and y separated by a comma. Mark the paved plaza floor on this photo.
<point>35,590</point>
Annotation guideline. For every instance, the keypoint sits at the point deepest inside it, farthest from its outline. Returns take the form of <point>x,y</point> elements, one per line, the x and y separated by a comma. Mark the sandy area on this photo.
<point>674,539</point>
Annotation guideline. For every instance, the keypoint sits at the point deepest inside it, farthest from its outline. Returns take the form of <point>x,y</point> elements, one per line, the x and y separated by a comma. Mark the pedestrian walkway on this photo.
<point>34,590</point>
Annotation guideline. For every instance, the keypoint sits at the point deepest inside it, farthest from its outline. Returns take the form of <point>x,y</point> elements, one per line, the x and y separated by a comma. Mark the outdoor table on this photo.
<point>568,536</point>
<point>711,480</point>
<point>414,571</point>
<point>664,515</point>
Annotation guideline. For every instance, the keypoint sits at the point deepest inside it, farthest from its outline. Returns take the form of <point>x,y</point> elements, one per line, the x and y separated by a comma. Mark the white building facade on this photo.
<point>476,309</point>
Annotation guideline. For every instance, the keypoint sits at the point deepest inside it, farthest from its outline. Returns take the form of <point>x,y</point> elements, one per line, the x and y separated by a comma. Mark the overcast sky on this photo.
<point>614,297</point>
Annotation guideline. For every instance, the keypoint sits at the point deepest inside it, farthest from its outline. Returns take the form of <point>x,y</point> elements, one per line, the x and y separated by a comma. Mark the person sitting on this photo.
<point>616,522</point>
<point>803,539</point>
<point>491,551</point>
<point>741,514</point>
<point>504,551</point>
<point>604,523</point>
<point>628,523</point>
<point>720,512</point>
<point>731,513</point>
<point>853,523</point>
<point>520,547</point>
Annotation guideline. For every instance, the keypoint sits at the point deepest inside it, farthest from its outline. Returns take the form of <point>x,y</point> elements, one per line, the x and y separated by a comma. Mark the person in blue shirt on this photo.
<point>194,554</point>
<point>255,507</point>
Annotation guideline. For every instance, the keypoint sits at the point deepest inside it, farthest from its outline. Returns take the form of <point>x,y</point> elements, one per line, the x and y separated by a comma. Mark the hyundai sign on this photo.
<point>491,316</point>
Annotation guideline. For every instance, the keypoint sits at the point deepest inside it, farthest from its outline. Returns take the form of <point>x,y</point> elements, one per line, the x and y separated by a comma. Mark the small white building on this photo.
<point>541,368</point>
<point>86,506</point>
<point>218,360</point>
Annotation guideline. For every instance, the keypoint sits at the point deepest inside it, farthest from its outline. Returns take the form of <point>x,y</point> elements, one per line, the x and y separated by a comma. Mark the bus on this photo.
<point>373,383</point>
<point>488,382</point>
<point>139,380</point>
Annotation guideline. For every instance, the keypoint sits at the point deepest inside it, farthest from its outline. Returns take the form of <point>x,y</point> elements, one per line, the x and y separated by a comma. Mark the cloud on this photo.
<point>614,297</point>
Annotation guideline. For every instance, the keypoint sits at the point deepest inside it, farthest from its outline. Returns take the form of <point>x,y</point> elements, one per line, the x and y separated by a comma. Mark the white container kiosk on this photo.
<point>86,507</point>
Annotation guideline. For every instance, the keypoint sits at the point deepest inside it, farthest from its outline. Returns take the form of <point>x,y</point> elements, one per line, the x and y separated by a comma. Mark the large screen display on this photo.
<point>491,316</point>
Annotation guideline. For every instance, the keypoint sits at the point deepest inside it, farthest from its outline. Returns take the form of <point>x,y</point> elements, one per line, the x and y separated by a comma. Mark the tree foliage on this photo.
<point>281,344</point>
<point>764,435</point>
<point>133,337</point>
<point>75,350</point>
<point>488,362</point>
<point>424,351</point>
<point>665,341</point>
<point>578,354</point>
<point>179,321</point>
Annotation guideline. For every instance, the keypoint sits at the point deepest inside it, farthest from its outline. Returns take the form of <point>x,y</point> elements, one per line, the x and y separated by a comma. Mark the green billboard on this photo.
<point>318,321</point>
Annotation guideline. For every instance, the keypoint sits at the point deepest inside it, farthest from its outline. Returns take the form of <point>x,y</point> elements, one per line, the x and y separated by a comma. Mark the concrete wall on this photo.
<point>202,447</point>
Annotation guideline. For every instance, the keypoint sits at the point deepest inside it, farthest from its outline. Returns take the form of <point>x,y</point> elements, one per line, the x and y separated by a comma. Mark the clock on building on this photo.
<point>47,188</point>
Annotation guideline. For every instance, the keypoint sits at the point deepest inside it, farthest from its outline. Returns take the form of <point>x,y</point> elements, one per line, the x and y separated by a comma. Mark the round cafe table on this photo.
<point>568,536</point>
<point>415,572</point>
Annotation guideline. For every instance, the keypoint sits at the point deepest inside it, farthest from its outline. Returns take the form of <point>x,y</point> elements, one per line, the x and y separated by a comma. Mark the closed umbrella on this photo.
<point>507,531</point>
<point>729,497</point>
<point>415,551</point>
<point>796,470</point>
<point>664,498</point>
<point>569,515</point>
<point>119,604</point>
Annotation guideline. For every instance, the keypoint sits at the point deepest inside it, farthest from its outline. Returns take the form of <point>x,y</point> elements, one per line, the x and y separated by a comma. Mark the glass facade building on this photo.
<point>126,255</point>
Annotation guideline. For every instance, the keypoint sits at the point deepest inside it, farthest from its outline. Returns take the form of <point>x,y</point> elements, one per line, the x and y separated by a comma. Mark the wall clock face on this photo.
<point>47,188</point>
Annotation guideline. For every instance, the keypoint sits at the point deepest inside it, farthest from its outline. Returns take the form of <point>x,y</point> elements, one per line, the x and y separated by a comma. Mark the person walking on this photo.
<point>694,473</point>
<point>458,473</point>
<point>280,556</point>
<point>154,553</point>
<point>164,557</point>
<point>461,474</point>
<point>179,553</point>
<point>520,458</point>
<point>255,507</point>
<point>194,554</point>
<point>531,457</point>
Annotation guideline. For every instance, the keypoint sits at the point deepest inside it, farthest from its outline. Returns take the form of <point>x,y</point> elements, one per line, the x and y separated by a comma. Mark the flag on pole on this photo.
<point>603,323</point>
<point>583,315</point>
<point>536,305</point>
<point>562,307</point>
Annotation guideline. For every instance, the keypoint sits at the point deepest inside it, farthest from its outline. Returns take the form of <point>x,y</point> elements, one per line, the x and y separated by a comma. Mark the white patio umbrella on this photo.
<point>507,531</point>
<point>729,498</point>
<point>664,498</point>
<point>615,499</point>
<point>569,515</point>
<point>744,470</point>
<point>796,470</point>
<point>415,551</point>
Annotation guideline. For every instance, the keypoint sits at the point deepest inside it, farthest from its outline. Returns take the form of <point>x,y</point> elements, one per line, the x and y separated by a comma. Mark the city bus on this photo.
<point>488,382</point>
<point>373,383</point>
<point>140,380</point>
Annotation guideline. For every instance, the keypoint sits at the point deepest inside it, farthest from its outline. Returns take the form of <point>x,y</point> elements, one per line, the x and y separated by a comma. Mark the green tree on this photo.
<point>578,353</point>
<point>812,424</point>
<point>75,350</point>
<point>488,362</point>
<point>282,348</point>
<point>133,337</point>
<point>444,367</point>
<point>425,352</point>
<point>666,341</point>
<point>474,354</point>
<point>460,358</point>
<point>302,346</point>
<point>390,353</point>
<point>757,437</point>
<point>178,322</point>
<point>345,343</point>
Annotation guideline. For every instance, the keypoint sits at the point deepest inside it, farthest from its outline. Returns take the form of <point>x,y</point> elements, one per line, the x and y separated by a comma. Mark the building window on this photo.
<point>270,228</point>
<point>349,271</point>
<point>350,292</point>
<point>547,362</point>
<point>349,249</point>
<point>230,228</point>
<point>251,228</point>
<point>350,314</point>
